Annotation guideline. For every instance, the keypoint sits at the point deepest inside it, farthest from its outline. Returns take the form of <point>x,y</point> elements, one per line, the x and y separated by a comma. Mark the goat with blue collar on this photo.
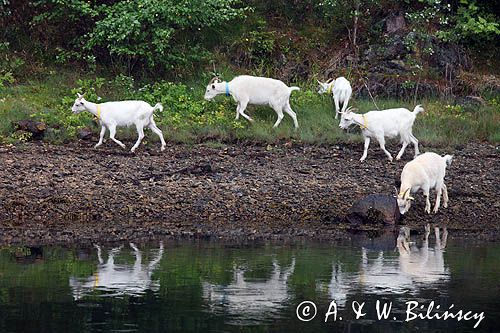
<point>255,90</point>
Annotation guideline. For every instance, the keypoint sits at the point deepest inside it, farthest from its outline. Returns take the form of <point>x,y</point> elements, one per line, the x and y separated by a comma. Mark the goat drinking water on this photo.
<point>255,90</point>
<point>341,91</point>
<point>381,124</point>
<point>124,113</point>
<point>424,172</point>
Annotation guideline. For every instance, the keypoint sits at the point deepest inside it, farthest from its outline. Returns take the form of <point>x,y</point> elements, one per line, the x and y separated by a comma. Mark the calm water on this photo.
<point>218,287</point>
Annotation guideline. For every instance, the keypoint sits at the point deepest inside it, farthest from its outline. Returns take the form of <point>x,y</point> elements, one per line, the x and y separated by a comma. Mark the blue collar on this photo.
<point>227,89</point>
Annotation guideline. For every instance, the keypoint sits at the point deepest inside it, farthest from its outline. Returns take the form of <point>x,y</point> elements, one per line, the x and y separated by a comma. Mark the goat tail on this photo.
<point>293,88</point>
<point>158,106</point>
<point>448,159</point>
<point>418,109</point>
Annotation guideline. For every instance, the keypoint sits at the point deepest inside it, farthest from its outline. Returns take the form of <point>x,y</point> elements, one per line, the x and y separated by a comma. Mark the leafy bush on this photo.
<point>143,33</point>
<point>9,64</point>
<point>473,24</point>
<point>185,108</point>
<point>465,21</point>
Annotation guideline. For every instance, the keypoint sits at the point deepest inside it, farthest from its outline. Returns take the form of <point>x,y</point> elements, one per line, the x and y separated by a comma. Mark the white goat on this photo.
<point>414,270</point>
<point>341,91</point>
<point>251,299</point>
<point>123,113</point>
<point>121,279</point>
<point>255,90</point>
<point>381,124</point>
<point>424,172</point>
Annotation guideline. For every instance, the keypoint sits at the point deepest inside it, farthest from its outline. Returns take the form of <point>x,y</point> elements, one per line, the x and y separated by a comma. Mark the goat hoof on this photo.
<point>162,148</point>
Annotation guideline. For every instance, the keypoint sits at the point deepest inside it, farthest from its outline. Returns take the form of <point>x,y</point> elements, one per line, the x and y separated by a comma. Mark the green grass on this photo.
<point>51,98</point>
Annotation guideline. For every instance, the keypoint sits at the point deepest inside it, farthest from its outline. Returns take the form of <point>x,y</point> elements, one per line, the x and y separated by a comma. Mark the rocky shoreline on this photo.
<point>72,193</point>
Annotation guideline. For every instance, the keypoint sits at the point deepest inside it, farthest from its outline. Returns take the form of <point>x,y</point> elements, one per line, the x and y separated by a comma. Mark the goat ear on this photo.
<point>79,95</point>
<point>396,189</point>
<point>411,198</point>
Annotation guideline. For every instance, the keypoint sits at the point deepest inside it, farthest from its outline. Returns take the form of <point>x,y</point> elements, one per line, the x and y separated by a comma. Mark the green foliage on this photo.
<point>257,45</point>
<point>63,124</point>
<point>466,21</point>
<point>184,107</point>
<point>9,64</point>
<point>173,39</point>
<point>187,117</point>
<point>4,9</point>
<point>472,23</point>
<point>152,34</point>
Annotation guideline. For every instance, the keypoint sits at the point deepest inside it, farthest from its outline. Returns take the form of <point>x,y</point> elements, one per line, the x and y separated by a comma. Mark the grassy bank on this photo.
<point>188,118</point>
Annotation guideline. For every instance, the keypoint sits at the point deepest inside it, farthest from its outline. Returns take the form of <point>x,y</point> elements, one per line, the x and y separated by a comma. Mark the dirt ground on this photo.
<point>74,193</point>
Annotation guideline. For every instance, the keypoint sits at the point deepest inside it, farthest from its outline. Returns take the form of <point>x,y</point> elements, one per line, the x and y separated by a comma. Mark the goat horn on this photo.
<point>404,194</point>
<point>329,80</point>
<point>214,79</point>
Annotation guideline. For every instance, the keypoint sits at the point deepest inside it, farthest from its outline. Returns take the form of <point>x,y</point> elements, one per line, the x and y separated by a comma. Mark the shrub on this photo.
<point>143,33</point>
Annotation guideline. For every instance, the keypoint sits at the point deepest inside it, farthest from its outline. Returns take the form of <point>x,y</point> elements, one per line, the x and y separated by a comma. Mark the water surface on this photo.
<point>207,286</point>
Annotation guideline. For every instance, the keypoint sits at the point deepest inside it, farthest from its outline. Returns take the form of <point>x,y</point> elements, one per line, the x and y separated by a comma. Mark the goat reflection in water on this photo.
<point>251,299</point>
<point>414,268</point>
<point>119,279</point>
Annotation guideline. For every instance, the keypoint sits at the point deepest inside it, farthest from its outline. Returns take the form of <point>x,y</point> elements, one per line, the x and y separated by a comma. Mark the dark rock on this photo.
<point>201,169</point>
<point>381,239</point>
<point>374,209</point>
<point>471,101</point>
<point>392,48</point>
<point>395,23</point>
<point>297,71</point>
<point>36,128</point>
<point>85,133</point>
<point>448,59</point>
